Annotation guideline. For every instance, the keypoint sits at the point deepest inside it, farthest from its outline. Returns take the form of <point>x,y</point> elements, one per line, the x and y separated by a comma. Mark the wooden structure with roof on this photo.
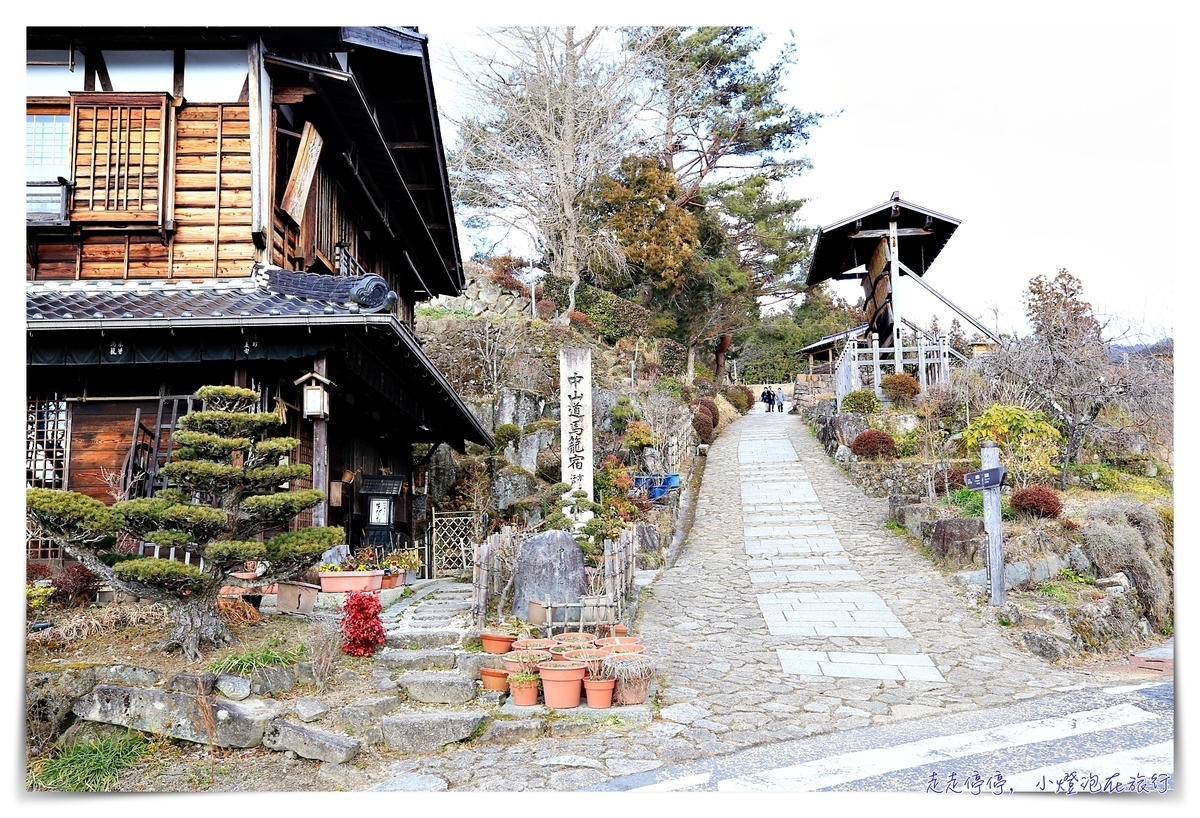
<point>247,205</point>
<point>876,247</point>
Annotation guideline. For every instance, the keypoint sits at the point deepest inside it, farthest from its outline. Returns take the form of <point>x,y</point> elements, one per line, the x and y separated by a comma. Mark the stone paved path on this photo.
<point>791,611</point>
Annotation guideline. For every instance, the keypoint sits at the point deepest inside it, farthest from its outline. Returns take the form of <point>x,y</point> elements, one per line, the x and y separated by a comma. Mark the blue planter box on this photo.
<point>671,481</point>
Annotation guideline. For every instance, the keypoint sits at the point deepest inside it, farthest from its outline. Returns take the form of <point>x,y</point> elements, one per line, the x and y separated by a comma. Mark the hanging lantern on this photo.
<point>315,403</point>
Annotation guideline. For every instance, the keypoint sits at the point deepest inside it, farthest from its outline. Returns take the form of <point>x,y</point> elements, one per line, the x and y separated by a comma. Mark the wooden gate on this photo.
<point>455,535</point>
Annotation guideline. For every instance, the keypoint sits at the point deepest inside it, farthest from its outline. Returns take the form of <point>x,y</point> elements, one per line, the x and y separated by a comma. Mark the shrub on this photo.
<point>622,413</point>
<point>546,309</point>
<point>950,479</point>
<point>874,444</point>
<point>35,571</point>
<point>860,400</point>
<point>900,386</point>
<point>638,436</point>
<point>506,433</point>
<point>362,629</point>
<point>89,766</point>
<point>75,585</point>
<point>1028,443</point>
<point>611,316</point>
<point>702,423</point>
<point>704,386</point>
<point>672,355</point>
<point>737,399</point>
<point>581,320</point>
<point>711,405</point>
<point>1037,501</point>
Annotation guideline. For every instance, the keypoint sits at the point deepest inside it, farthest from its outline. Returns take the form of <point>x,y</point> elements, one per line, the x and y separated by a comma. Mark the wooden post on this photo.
<point>875,362</point>
<point>989,454</point>
<point>320,453</point>
<point>921,361</point>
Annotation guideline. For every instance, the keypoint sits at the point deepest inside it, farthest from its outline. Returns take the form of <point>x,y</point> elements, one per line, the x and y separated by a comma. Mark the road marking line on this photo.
<point>1131,688</point>
<point>1156,758</point>
<point>675,784</point>
<point>839,769</point>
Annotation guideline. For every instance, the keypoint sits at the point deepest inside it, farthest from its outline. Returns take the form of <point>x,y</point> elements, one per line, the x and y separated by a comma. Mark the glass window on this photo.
<point>46,443</point>
<point>47,147</point>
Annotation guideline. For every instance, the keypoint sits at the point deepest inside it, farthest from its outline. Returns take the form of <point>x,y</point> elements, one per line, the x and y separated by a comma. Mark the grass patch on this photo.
<point>89,766</point>
<point>442,312</point>
<point>245,662</point>
<point>1055,591</point>
<point>896,528</point>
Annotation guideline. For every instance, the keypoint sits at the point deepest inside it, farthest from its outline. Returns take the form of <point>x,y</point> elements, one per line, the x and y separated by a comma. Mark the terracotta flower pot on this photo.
<point>632,691</point>
<point>513,659</point>
<point>524,694</point>
<point>533,644</point>
<point>619,640</point>
<point>497,642</point>
<point>561,683</point>
<point>558,652</point>
<point>620,630</point>
<point>494,678</point>
<point>333,582</point>
<point>298,597</point>
<point>599,692</point>
<point>591,656</point>
<point>389,581</point>
<point>626,648</point>
<point>575,637</point>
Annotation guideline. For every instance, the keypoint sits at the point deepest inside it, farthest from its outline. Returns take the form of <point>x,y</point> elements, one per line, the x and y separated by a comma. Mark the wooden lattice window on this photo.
<point>121,142</point>
<point>47,433</point>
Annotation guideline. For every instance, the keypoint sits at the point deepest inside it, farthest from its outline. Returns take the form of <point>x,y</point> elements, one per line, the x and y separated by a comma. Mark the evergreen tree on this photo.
<point>224,494</point>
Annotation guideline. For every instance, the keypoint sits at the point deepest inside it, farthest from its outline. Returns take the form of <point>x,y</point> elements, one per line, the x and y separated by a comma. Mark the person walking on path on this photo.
<point>768,397</point>
<point>779,400</point>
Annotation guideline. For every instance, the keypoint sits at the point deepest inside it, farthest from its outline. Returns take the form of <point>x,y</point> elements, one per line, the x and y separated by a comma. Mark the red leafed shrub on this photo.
<point>74,585</point>
<point>362,629</point>
<point>710,406</point>
<point>35,571</point>
<point>702,422</point>
<point>1037,501</point>
<point>949,480</point>
<point>874,444</point>
<point>900,386</point>
<point>581,320</point>
<point>546,309</point>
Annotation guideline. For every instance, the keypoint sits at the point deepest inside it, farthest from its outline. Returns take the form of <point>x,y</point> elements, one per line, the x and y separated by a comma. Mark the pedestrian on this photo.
<point>765,399</point>
<point>770,399</point>
<point>779,400</point>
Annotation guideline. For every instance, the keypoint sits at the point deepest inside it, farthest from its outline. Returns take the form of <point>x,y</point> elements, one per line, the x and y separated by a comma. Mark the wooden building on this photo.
<point>256,206</point>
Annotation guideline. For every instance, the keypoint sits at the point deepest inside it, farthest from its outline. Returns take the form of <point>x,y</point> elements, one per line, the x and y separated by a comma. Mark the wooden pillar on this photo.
<point>894,281</point>
<point>921,362</point>
<point>875,364</point>
<point>989,455</point>
<point>320,464</point>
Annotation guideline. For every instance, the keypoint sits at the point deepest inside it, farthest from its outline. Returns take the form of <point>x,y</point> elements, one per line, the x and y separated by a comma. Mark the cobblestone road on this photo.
<point>790,611</point>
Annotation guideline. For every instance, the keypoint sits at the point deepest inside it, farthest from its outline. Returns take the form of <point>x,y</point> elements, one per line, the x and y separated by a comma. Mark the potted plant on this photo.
<point>518,661</point>
<point>591,656</point>
<point>497,642</point>
<point>351,575</point>
<point>561,683</point>
<point>598,685</point>
<point>409,561</point>
<point>633,672</point>
<point>523,687</point>
<point>494,678</point>
<point>533,644</point>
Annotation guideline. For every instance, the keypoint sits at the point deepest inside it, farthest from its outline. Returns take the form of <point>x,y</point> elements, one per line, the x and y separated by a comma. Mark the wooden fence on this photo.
<point>496,561</point>
<point>863,367</point>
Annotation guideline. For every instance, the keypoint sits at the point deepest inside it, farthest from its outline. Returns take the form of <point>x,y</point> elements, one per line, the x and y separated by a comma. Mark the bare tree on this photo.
<point>554,108</point>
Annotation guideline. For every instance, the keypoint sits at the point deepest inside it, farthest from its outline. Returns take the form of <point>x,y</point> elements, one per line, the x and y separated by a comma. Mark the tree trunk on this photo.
<point>197,625</point>
<point>722,347</point>
<point>691,362</point>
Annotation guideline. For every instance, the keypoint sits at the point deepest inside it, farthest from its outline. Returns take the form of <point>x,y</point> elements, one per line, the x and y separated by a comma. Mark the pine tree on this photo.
<point>223,495</point>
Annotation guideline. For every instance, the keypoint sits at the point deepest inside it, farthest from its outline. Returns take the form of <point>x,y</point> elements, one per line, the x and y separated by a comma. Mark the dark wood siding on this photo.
<point>101,434</point>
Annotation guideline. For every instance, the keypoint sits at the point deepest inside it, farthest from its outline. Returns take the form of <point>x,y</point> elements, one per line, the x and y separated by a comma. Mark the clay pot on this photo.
<point>512,660</point>
<point>633,691</point>
<point>626,648</point>
<point>619,640</point>
<point>524,694</point>
<point>533,644</point>
<point>561,686</point>
<point>599,692</point>
<point>575,638</point>
<point>494,678</point>
<point>591,656</point>
<point>335,582</point>
<point>497,642</point>
<point>389,581</point>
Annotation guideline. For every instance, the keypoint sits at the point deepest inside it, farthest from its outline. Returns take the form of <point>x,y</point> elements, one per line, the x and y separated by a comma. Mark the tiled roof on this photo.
<point>265,293</point>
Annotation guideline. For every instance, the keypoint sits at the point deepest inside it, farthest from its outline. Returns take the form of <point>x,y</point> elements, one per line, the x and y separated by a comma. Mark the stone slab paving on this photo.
<point>727,680</point>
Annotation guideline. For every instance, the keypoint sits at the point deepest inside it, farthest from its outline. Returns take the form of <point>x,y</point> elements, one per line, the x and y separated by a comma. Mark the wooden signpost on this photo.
<point>988,480</point>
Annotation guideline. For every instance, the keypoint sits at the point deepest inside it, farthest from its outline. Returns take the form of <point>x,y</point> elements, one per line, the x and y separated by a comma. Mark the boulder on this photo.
<point>199,683</point>
<point>512,483</point>
<point>233,687</point>
<point>897,424</point>
<point>847,426</point>
<point>411,782</point>
<point>429,732</point>
<point>550,567</point>
<point>506,732</point>
<point>267,681</point>
<point>365,711</point>
<point>178,715</point>
<point>308,742</point>
<point>842,454</point>
<point>957,540</point>
<point>1049,646</point>
<point>911,517</point>
<point>470,663</point>
<point>438,687</point>
<point>896,502</point>
<point>310,709</point>
<point>518,407</point>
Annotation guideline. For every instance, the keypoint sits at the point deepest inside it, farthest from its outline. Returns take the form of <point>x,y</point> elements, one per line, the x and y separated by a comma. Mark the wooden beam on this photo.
<point>900,231</point>
<point>304,170</point>
<point>409,146</point>
<point>261,143</point>
<point>177,79</point>
<point>290,95</point>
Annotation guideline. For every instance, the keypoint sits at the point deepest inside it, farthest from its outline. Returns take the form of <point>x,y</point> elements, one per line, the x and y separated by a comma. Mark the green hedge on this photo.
<point>612,316</point>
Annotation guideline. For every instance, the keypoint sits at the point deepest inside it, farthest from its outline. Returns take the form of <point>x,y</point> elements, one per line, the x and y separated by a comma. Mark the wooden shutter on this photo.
<point>119,156</point>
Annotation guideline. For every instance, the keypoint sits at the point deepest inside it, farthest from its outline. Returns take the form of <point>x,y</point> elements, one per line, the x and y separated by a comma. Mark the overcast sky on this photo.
<point>1051,142</point>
